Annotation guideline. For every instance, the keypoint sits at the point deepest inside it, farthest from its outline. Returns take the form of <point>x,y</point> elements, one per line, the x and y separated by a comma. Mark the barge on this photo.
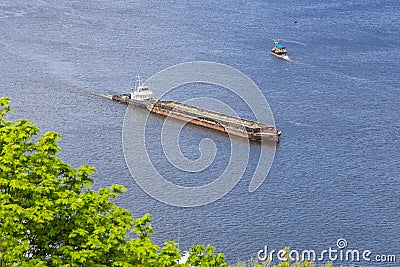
<point>142,96</point>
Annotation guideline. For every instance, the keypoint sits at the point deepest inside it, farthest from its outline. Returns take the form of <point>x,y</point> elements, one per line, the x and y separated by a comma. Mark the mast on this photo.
<point>138,82</point>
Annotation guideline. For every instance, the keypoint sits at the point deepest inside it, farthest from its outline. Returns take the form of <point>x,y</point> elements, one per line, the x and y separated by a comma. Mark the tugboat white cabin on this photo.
<point>141,92</point>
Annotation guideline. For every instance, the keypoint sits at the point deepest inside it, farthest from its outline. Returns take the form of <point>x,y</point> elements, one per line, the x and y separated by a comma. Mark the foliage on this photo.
<point>204,257</point>
<point>252,262</point>
<point>49,216</point>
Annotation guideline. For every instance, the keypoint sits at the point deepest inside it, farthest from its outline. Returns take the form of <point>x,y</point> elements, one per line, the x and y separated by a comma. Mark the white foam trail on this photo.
<point>299,123</point>
<point>295,42</point>
<point>103,95</point>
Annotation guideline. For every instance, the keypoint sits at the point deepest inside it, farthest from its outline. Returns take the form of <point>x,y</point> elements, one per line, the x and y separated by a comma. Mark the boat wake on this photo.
<point>287,58</point>
<point>295,42</point>
<point>102,95</point>
<point>300,124</point>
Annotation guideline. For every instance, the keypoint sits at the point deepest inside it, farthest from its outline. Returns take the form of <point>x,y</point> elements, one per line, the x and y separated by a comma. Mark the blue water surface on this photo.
<point>336,170</point>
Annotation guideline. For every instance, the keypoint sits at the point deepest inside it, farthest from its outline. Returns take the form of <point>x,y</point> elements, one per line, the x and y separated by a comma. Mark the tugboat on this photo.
<point>140,96</point>
<point>279,51</point>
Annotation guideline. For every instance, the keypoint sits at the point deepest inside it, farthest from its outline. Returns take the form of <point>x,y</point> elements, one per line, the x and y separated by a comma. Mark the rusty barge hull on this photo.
<point>249,129</point>
<point>217,121</point>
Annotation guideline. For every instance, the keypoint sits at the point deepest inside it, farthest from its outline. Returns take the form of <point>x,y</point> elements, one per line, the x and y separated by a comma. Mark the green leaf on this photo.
<point>49,216</point>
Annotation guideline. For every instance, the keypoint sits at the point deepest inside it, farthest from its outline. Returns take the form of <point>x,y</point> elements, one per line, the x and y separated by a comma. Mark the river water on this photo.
<point>336,170</point>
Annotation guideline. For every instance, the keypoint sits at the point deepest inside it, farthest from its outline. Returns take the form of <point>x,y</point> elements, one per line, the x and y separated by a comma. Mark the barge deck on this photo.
<point>217,121</point>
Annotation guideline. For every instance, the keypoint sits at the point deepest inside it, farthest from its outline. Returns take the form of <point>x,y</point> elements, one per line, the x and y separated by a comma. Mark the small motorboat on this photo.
<point>279,51</point>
